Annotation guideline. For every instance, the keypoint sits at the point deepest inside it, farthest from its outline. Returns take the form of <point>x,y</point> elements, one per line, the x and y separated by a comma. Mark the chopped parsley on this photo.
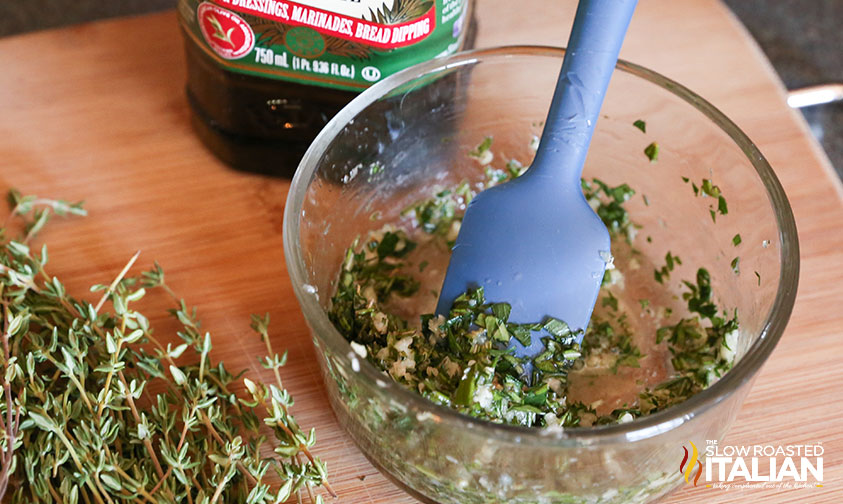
<point>611,340</point>
<point>707,188</point>
<point>607,202</point>
<point>736,240</point>
<point>375,168</point>
<point>652,152</point>
<point>611,301</point>
<point>513,170</point>
<point>439,215</point>
<point>461,360</point>
<point>482,153</point>
<point>640,125</point>
<point>663,273</point>
<point>703,344</point>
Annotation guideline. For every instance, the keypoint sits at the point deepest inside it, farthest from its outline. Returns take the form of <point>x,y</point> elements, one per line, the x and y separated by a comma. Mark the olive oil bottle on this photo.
<point>264,76</point>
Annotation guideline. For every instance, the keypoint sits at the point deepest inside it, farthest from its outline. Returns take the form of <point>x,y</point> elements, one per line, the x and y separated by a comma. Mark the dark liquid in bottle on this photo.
<point>253,123</point>
<point>258,124</point>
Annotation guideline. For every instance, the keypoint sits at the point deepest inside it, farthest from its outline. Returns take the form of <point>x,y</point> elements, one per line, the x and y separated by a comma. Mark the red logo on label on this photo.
<point>227,33</point>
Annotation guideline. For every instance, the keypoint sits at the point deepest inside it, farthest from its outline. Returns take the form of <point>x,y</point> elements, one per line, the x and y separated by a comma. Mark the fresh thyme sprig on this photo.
<point>97,409</point>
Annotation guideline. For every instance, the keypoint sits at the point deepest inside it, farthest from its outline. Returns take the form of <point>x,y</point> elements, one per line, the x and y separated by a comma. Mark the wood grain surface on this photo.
<point>97,112</point>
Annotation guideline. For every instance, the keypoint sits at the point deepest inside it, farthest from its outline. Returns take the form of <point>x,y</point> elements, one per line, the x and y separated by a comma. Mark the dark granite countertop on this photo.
<point>802,38</point>
<point>804,41</point>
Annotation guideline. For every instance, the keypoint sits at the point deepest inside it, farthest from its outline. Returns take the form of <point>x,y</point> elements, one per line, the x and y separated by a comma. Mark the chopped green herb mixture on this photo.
<point>652,152</point>
<point>375,168</point>
<point>736,265</point>
<point>707,188</point>
<point>640,125</point>
<point>608,202</point>
<point>663,273</point>
<point>702,352</point>
<point>612,340</point>
<point>483,153</point>
<point>438,215</point>
<point>462,361</point>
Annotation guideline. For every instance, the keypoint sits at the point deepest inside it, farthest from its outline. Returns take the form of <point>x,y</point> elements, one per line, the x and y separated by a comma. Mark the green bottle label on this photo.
<point>341,44</point>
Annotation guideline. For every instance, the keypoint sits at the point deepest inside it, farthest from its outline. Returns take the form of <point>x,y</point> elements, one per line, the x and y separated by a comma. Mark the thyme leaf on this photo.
<point>97,409</point>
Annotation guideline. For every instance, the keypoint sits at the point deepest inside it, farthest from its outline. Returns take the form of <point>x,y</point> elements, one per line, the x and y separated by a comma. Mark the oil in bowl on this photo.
<point>408,139</point>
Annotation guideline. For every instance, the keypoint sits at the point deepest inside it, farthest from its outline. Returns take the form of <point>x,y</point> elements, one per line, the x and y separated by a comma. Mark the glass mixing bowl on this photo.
<point>410,133</point>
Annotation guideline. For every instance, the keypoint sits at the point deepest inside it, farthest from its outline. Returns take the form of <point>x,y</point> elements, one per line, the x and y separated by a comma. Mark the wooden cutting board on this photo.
<point>97,112</point>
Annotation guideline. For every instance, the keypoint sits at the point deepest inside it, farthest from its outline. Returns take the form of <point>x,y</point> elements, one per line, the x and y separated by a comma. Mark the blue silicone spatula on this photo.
<point>534,242</point>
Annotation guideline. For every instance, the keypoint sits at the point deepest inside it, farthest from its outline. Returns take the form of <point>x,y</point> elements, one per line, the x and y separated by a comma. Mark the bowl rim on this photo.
<point>642,428</point>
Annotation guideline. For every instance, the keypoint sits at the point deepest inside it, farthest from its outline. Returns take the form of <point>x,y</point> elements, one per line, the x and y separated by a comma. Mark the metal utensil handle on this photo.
<point>815,95</point>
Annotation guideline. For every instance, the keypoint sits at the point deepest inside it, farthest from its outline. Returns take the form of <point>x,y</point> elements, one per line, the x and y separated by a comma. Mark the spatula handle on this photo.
<point>592,53</point>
